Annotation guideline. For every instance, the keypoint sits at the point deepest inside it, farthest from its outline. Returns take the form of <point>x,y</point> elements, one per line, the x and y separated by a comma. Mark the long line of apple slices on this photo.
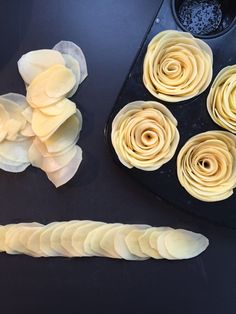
<point>84,238</point>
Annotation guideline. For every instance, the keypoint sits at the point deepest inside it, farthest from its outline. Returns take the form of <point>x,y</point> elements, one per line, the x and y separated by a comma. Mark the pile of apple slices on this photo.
<point>16,133</point>
<point>43,128</point>
<point>78,238</point>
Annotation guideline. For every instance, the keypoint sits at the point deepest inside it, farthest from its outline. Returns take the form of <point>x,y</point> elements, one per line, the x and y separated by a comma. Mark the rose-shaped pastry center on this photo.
<point>177,66</point>
<point>144,135</point>
<point>206,165</point>
<point>221,101</point>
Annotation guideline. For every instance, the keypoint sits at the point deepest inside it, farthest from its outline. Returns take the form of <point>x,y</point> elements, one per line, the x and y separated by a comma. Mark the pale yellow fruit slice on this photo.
<point>18,99</point>
<point>67,235</point>
<point>3,232</point>
<point>92,243</point>
<point>27,131</point>
<point>80,235</point>
<point>148,241</point>
<point>35,62</point>
<point>133,244</point>
<point>50,163</point>
<point>184,244</point>
<point>70,48</point>
<point>73,64</point>
<point>15,151</point>
<point>107,242</point>
<point>16,238</point>
<point>161,246</point>
<point>50,86</point>
<point>24,236</point>
<point>45,239</point>
<point>12,166</point>
<point>120,245</point>
<point>66,173</point>
<point>44,126</point>
<point>55,241</point>
<point>65,136</point>
<point>55,109</point>
<point>33,242</point>
<point>4,117</point>
<point>27,114</point>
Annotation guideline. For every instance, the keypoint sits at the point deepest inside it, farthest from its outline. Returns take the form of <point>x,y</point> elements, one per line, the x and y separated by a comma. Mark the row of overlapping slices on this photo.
<point>43,128</point>
<point>79,238</point>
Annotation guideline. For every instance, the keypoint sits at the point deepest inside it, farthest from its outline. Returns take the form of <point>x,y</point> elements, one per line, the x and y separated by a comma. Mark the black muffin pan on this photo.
<point>219,32</point>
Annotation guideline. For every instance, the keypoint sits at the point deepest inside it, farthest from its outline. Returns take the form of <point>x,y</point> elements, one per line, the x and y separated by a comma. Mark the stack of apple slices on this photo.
<point>79,238</point>
<point>16,134</point>
<point>51,76</point>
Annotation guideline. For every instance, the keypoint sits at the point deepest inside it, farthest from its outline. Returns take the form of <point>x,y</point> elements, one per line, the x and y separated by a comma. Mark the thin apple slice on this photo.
<point>3,232</point>
<point>161,246</point>
<point>66,173</point>
<point>12,166</point>
<point>27,113</point>
<point>55,241</point>
<point>145,242</point>
<point>80,235</point>
<point>15,151</point>
<point>45,240</point>
<point>15,238</point>
<point>73,64</point>
<point>67,234</point>
<point>70,48</point>
<point>120,245</point>
<point>183,244</point>
<point>33,242</point>
<point>92,243</point>
<point>25,234</point>
<point>50,86</point>
<point>133,244</point>
<point>35,62</point>
<point>65,136</point>
<point>107,242</point>
<point>44,126</point>
<point>18,99</point>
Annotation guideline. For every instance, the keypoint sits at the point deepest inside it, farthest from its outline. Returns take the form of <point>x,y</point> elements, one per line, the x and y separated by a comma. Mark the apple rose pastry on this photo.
<point>206,165</point>
<point>221,101</point>
<point>177,66</point>
<point>144,135</point>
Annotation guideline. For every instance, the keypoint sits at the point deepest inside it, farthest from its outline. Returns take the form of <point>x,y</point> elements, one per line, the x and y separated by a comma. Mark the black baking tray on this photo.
<point>192,117</point>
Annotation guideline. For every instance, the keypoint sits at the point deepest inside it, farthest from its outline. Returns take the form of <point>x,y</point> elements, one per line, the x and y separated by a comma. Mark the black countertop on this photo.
<point>110,33</point>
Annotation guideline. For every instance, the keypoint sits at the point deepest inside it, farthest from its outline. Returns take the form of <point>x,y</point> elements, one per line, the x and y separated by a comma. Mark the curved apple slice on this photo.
<point>55,241</point>
<point>18,99</point>
<point>44,126</point>
<point>35,62</point>
<point>50,86</point>
<point>80,235</point>
<point>184,244</point>
<point>70,48</point>
<point>107,242</point>
<point>133,244</point>
<point>161,246</point>
<point>66,173</point>
<point>120,244</point>
<point>65,136</point>
<point>73,64</point>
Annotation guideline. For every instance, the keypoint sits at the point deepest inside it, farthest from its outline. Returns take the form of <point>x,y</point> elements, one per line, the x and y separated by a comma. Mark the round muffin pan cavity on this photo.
<point>192,115</point>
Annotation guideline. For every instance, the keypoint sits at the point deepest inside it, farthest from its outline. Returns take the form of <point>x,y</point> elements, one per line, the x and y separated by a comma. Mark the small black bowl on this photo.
<point>205,18</point>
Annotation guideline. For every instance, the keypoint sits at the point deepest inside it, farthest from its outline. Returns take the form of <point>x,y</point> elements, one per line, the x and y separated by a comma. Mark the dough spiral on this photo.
<point>177,66</point>
<point>221,101</point>
<point>144,135</point>
<point>206,165</point>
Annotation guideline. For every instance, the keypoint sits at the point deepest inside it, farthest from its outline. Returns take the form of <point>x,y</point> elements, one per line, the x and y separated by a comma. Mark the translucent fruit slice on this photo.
<point>44,126</point>
<point>80,235</point>
<point>133,244</point>
<point>70,48</point>
<point>184,244</point>
<point>35,62</point>
<point>50,86</point>
<point>161,245</point>
<point>66,173</point>
<point>107,242</point>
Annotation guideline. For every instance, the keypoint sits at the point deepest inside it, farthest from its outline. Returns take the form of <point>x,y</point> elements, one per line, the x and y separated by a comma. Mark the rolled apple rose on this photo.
<point>177,66</point>
<point>144,135</point>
